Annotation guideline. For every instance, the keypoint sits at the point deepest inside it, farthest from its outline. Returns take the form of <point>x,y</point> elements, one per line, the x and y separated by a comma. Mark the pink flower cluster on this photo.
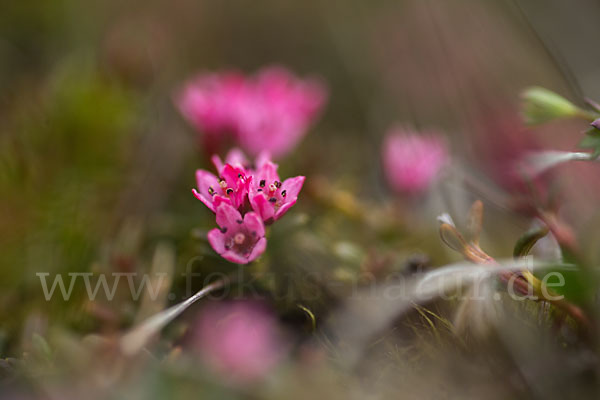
<point>411,161</point>
<point>268,112</point>
<point>237,189</point>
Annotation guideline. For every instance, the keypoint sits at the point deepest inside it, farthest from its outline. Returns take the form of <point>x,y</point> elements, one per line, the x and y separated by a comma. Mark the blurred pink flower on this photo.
<point>271,111</point>
<point>501,145</point>
<point>210,104</point>
<point>278,112</point>
<point>269,197</point>
<point>411,161</point>
<point>240,341</point>
<point>239,240</point>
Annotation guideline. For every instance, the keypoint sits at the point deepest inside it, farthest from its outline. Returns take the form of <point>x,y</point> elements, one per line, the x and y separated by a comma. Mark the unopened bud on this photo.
<point>542,105</point>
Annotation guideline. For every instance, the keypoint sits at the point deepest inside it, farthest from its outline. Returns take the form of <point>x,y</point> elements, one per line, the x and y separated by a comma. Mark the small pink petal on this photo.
<point>216,160</point>
<point>292,186</point>
<point>230,174</point>
<point>204,180</point>
<point>267,172</point>
<point>258,249</point>
<point>236,158</point>
<point>228,217</point>
<point>234,257</point>
<point>254,224</point>
<point>261,206</point>
<point>218,199</point>
<point>216,240</point>
<point>243,187</point>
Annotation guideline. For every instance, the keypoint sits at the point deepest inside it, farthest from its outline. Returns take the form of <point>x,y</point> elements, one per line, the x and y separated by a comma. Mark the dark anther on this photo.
<point>283,193</point>
<point>223,229</point>
<point>211,191</point>
<point>239,221</point>
<point>272,199</point>
<point>259,190</point>
<point>277,184</point>
<point>239,175</point>
<point>229,190</point>
<point>262,183</point>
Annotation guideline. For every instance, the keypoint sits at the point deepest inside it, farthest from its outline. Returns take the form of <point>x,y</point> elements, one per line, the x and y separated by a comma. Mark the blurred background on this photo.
<point>97,165</point>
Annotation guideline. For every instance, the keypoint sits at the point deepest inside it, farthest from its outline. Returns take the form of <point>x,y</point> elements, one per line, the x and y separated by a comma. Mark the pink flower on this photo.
<point>269,197</point>
<point>271,111</point>
<point>239,188</point>
<point>210,104</point>
<point>240,341</point>
<point>278,112</point>
<point>239,240</point>
<point>411,162</point>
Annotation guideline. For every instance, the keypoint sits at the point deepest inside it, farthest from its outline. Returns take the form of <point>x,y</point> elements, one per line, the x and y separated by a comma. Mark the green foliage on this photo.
<point>65,149</point>
<point>591,140</point>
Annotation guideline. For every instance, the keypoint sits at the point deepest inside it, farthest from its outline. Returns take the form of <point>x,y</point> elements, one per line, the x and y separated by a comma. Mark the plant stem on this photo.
<point>134,340</point>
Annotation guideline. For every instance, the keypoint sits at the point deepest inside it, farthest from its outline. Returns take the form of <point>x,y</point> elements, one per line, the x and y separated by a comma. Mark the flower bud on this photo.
<point>541,105</point>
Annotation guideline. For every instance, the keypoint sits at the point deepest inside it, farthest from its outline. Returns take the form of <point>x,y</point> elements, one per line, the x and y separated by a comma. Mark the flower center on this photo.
<point>272,193</point>
<point>225,188</point>
<point>239,238</point>
<point>242,242</point>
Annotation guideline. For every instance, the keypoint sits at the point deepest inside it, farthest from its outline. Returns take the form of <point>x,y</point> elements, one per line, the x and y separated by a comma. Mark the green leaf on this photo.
<point>590,142</point>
